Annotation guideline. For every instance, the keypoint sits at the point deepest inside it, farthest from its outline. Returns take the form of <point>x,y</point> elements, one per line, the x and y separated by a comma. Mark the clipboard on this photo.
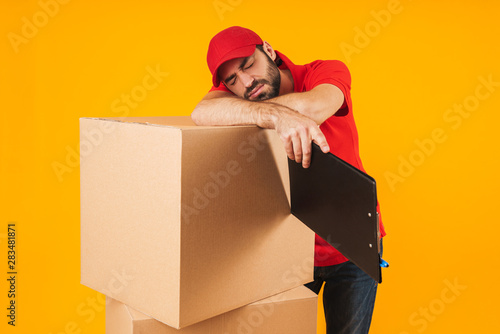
<point>339,203</point>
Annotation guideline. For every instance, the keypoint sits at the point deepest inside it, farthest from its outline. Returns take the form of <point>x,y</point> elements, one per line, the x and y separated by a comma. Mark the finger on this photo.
<point>288,147</point>
<point>297,148</point>
<point>306,151</point>
<point>320,139</point>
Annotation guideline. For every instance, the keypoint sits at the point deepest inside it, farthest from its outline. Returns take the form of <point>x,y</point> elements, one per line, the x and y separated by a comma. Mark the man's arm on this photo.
<point>319,104</point>
<point>223,108</point>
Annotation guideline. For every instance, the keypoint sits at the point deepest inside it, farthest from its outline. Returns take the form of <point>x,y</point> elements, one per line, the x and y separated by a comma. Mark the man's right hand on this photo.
<point>297,133</point>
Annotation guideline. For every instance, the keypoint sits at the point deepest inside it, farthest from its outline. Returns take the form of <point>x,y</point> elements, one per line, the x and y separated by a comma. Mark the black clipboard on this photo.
<point>339,203</point>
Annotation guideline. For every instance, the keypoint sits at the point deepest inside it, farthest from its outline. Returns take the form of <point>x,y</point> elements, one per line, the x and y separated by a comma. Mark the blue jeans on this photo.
<point>348,297</point>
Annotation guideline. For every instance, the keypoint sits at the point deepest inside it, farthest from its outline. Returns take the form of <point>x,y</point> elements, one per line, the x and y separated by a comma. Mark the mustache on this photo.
<point>252,87</point>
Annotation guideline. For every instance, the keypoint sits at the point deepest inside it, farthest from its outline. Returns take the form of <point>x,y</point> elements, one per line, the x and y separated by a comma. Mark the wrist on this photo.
<point>266,115</point>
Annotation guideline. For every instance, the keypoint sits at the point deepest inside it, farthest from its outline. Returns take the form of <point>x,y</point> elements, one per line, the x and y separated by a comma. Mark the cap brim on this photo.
<point>238,53</point>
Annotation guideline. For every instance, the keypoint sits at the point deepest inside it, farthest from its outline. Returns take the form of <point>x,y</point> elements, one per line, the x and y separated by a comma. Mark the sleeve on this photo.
<point>220,88</point>
<point>336,73</point>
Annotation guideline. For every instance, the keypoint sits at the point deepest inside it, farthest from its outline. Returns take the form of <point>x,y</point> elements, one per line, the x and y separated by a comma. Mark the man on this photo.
<point>255,84</point>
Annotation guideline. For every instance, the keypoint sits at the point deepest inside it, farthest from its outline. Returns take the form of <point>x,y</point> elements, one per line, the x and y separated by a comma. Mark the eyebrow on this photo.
<point>243,63</point>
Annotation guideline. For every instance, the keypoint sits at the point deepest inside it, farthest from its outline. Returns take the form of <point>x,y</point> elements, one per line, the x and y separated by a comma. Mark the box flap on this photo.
<point>297,293</point>
<point>181,122</point>
<point>118,317</point>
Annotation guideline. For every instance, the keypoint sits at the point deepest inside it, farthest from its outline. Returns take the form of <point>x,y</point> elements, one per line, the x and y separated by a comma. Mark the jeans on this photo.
<point>348,297</point>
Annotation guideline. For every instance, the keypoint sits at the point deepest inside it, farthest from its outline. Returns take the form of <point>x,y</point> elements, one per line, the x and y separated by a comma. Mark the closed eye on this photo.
<point>231,80</point>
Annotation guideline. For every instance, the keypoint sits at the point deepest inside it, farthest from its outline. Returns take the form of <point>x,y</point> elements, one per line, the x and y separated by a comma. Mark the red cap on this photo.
<point>230,43</point>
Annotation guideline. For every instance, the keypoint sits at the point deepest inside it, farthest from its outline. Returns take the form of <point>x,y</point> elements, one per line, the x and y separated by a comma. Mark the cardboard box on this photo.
<point>184,223</point>
<point>291,312</point>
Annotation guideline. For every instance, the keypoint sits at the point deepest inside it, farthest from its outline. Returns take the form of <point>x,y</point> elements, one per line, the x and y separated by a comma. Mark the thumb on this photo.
<point>320,140</point>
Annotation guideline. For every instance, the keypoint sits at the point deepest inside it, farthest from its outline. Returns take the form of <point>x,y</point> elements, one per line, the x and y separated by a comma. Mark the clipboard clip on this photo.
<point>383,263</point>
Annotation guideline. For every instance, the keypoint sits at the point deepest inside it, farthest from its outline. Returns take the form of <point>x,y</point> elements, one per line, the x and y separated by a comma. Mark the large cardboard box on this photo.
<point>290,312</point>
<point>184,222</point>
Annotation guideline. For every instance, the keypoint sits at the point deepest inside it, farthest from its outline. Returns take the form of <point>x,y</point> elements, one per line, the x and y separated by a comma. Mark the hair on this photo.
<point>278,60</point>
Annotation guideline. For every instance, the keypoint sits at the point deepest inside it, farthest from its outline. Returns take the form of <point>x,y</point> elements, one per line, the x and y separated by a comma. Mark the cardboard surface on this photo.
<point>290,312</point>
<point>184,223</point>
<point>339,203</point>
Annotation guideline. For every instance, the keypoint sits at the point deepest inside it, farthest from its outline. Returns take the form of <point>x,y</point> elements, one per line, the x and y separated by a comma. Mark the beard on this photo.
<point>273,80</point>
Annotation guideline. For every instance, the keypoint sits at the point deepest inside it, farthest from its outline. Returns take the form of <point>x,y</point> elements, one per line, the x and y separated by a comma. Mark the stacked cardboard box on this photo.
<point>185,223</point>
<point>293,311</point>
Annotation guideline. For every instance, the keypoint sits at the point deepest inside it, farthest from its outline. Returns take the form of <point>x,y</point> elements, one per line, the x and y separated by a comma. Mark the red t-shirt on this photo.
<point>340,129</point>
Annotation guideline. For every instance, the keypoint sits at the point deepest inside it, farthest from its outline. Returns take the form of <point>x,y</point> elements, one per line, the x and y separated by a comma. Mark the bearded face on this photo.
<point>254,78</point>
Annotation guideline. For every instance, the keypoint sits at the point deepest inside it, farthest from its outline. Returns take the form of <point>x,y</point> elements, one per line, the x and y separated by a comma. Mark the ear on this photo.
<point>269,50</point>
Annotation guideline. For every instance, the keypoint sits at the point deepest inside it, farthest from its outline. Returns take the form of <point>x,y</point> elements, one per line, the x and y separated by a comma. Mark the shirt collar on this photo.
<point>298,71</point>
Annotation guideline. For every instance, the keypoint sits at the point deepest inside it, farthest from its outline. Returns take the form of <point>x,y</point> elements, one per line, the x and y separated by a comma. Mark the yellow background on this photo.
<point>439,201</point>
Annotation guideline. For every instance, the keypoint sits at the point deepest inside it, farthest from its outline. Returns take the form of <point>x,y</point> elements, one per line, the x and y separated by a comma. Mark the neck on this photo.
<point>286,86</point>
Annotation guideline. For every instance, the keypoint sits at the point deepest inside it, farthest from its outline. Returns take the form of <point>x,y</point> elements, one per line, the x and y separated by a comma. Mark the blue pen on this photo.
<point>384,263</point>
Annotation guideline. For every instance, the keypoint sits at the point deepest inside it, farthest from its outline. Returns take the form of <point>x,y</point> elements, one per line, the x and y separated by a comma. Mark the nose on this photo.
<point>246,79</point>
